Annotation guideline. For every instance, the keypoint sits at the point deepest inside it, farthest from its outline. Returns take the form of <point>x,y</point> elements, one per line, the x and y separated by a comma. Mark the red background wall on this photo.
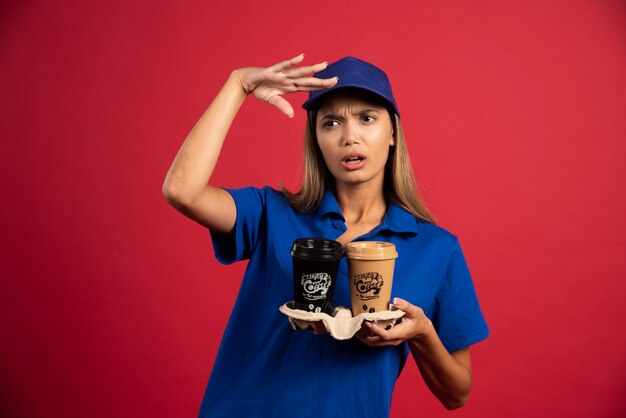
<point>112,303</point>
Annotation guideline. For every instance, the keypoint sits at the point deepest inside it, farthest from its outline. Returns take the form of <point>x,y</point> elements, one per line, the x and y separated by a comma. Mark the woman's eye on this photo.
<point>330,123</point>
<point>367,118</point>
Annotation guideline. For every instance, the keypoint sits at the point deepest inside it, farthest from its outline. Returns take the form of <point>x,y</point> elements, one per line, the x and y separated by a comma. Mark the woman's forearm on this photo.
<point>197,157</point>
<point>186,185</point>
<point>448,376</point>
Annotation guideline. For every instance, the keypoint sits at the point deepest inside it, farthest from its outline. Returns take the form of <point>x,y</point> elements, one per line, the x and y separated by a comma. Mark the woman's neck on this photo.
<point>361,204</point>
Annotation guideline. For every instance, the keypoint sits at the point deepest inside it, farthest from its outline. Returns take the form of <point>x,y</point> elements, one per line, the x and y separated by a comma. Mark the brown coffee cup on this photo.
<point>370,270</point>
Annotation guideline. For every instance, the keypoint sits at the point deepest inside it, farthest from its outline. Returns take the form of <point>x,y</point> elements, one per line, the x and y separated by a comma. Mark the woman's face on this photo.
<point>354,134</point>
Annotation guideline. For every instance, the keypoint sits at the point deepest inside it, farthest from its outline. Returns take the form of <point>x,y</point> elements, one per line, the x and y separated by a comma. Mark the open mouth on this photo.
<point>354,161</point>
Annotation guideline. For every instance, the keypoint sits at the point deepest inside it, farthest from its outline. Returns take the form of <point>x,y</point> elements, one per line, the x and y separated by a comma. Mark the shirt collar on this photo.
<point>329,205</point>
<point>396,219</point>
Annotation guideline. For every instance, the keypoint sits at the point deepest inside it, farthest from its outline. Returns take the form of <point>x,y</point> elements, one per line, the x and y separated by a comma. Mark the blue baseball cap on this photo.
<point>354,73</point>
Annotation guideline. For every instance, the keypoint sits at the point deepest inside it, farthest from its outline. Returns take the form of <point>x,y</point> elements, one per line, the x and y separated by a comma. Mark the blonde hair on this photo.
<point>399,184</point>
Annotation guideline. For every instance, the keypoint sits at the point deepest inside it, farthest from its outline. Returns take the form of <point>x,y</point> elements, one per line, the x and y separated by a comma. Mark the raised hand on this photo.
<point>269,84</point>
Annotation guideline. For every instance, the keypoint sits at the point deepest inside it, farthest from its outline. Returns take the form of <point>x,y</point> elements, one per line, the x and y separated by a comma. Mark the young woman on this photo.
<point>358,185</point>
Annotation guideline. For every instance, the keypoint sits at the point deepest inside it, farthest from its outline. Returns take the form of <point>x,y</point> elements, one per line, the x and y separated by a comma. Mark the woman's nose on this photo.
<point>350,136</point>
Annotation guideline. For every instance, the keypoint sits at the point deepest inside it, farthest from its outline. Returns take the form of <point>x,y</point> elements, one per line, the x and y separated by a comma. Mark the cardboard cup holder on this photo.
<point>341,325</point>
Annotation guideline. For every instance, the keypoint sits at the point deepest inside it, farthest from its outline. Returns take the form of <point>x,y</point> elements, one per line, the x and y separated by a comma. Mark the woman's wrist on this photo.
<point>236,77</point>
<point>420,340</point>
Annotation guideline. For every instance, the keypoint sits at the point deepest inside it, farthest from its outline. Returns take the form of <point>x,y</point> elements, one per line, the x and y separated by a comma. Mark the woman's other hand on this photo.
<point>269,84</point>
<point>414,325</point>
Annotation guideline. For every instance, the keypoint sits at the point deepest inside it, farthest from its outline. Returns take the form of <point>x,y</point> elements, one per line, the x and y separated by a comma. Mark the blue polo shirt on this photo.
<point>266,369</point>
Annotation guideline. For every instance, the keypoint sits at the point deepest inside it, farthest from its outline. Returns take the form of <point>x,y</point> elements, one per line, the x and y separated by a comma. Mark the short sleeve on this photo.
<point>239,244</point>
<point>457,317</point>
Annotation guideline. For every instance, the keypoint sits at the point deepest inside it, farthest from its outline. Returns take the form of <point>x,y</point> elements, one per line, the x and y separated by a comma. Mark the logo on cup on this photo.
<point>368,285</point>
<point>315,285</point>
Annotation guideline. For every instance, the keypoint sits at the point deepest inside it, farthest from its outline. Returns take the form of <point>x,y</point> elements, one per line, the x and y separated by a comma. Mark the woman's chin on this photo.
<point>354,179</point>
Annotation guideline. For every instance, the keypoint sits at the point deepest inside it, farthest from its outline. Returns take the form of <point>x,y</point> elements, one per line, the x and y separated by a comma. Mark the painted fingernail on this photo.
<point>395,301</point>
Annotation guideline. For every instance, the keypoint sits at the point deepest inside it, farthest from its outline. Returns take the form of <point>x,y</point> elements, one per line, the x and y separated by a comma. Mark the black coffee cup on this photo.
<point>315,266</point>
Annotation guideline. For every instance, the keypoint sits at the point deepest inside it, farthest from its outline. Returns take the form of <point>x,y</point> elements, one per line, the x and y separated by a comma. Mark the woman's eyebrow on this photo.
<point>356,112</point>
<point>330,116</point>
<point>367,110</point>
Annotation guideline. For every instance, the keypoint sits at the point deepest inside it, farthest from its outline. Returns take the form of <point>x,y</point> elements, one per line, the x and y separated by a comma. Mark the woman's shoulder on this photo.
<point>436,234</point>
<point>276,195</point>
<point>264,191</point>
<point>271,197</point>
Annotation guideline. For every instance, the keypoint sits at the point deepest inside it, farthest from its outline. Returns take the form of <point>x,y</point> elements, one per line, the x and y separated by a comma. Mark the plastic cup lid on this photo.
<point>316,249</point>
<point>371,250</point>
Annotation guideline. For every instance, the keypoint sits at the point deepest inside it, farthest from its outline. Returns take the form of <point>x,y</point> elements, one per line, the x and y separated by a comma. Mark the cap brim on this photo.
<point>313,102</point>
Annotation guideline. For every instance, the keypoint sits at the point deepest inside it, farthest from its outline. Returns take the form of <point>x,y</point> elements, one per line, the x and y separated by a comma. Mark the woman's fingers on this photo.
<point>371,334</point>
<point>282,105</point>
<point>283,72</point>
<point>283,65</point>
<point>412,311</point>
<point>275,76</point>
<point>319,328</point>
<point>270,83</point>
<point>413,323</point>
<point>399,332</point>
<point>306,70</point>
<point>291,85</point>
<point>309,84</point>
